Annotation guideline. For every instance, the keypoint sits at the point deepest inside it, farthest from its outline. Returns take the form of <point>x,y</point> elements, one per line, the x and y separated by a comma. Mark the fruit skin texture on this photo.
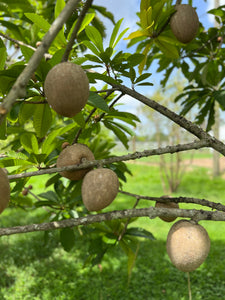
<point>74,155</point>
<point>188,245</point>
<point>66,88</point>
<point>5,190</point>
<point>184,23</point>
<point>167,205</point>
<point>99,188</point>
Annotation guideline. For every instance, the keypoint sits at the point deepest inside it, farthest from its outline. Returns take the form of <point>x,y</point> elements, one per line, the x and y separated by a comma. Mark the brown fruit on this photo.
<point>99,188</point>
<point>74,155</point>
<point>38,44</point>
<point>184,23</point>
<point>167,205</point>
<point>188,245</point>
<point>65,144</point>
<point>25,192</point>
<point>5,190</point>
<point>66,88</point>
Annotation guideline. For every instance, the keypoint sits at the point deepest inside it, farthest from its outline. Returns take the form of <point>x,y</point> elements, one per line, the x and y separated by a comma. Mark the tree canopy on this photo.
<point>36,36</point>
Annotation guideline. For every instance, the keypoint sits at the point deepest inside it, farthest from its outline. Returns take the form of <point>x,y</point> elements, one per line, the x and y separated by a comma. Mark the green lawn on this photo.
<point>33,269</point>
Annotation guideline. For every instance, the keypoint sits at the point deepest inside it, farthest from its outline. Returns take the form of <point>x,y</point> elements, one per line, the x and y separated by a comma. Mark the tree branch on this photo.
<point>150,212</point>
<point>180,120</point>
<point>16,41</point>
<point>70,44</point>
<point>164,199</point>
<point>131,156</point>
<point>19,88</point>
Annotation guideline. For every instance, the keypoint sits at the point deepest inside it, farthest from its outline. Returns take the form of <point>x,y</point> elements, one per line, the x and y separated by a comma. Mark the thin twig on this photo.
<point>151,212</point>
<point>70,44</point>
<point>164,199</point>
<point>178,119</point>
<point>106,161</point>
<point>17,42</point>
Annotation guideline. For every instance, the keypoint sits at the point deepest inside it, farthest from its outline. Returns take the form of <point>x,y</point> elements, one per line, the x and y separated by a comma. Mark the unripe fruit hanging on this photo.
<point>5,190</point>
<point>167,205</point>
<point>99,188</point>
<point>74,155</point>
<point>66,89</point>
<point>184,23</point>
<point>188,245</point>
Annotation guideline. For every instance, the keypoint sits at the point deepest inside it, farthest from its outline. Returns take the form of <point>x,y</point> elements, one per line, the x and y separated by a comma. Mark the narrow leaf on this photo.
<point>29,142</point>
<point>95,36</point>
<point>97,101</point>
<point>114,33</point>
<point>42,119</point>
<point>67,238</point>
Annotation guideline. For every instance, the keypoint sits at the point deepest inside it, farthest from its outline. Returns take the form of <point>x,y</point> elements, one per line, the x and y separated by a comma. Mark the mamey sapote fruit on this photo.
<point>74,155</point>
<point>167,205</point>
<point>188,245</point>
<point>99,188</point>
<point>184,23</point>
<point>66,88</point>
<point>4,190</point>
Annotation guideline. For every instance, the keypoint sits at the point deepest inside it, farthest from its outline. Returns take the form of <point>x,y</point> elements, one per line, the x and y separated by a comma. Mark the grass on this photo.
<point>33,269</point>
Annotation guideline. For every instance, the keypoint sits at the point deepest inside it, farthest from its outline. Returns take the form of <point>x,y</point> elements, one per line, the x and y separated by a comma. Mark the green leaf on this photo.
<point>97,101</point>
<point>104,12</point>
<point>3,126</point>
<point>118,132</point>
<point>86,21</point>
<point>29,142</point>
<point>114,33</point>
<point>50,195</point>
<point>92,47</point>
<point>42,119</point>
<point>14,29</point>
<point>22,5</point>
<point>220,97</point>
<point>135,34</point>
<point>95,37</point>
<point>145,52</point>
<point>140,232</point>
<point>67,238</point>
<point>135,59</point>
<point>26,112</point>
<point>39,21</point>
<point>3,55</point>
<point>9,76</point>
<point>49,143</point>
<point>8,162</point>
<point>27,52</point>
<point>144,5</point>
<point>167,48</point>
<point>45,26</point>
<point>143,77</point>
<point>105,78</point>
<point>124,116</point>
<point>60,4</point>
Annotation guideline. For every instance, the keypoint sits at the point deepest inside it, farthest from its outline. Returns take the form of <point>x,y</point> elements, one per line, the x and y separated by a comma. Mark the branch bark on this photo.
<point>69,46</point>
<point>202,202</point>
<point>131,156</point>
<point>150,212</point>
<point>180,120</point>
<point>19,88</point>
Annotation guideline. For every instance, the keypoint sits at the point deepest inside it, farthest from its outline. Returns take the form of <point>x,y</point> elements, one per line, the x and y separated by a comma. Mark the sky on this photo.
<point>127,9</point>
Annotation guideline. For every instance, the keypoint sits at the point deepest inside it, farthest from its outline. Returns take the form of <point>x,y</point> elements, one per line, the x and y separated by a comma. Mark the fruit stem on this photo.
<point>189,286</point>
